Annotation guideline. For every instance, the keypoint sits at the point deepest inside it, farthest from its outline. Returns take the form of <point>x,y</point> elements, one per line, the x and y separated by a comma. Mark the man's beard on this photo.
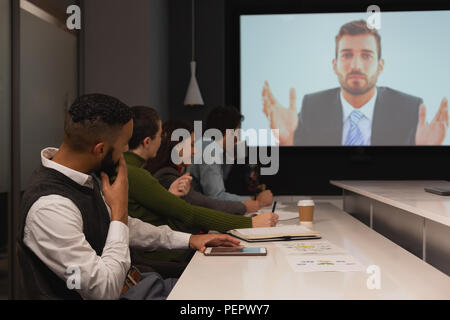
<point>108,166</point>
<point>357,91</point>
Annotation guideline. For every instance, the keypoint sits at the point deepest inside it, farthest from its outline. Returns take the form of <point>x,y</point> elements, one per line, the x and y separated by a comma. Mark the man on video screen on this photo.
<point>358,113</point>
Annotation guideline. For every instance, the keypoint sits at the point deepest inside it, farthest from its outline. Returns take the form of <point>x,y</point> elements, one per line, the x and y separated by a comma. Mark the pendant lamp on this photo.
<point>193,94</point>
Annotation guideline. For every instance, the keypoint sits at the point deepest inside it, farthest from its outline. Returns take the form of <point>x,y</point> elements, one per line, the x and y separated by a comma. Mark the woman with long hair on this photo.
<point>163,169</point>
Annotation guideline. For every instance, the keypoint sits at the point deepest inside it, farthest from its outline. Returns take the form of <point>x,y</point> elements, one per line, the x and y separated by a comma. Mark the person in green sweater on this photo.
<point>152,203</point>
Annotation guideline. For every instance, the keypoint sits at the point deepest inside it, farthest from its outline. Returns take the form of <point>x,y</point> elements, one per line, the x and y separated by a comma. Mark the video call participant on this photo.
<point>76,232</point>
<point>209,179</point>
<point>358,113</point>
<point>163,169</point>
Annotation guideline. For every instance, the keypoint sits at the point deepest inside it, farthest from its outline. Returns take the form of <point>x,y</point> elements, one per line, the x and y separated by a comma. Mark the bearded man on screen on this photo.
<point>358,113</point>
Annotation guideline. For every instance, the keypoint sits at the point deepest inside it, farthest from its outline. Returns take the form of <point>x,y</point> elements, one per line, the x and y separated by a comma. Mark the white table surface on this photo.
<point>406,195</point>
<point>403,275</point>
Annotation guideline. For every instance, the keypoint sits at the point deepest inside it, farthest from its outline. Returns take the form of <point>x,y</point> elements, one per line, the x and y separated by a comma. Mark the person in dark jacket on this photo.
<point>163,169</point>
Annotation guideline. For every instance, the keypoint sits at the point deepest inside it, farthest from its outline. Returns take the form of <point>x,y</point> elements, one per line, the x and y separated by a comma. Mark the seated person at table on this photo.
<point>75,232</point>
<point>163,169</point>
<point>151,202</point>
<point>209,179</point>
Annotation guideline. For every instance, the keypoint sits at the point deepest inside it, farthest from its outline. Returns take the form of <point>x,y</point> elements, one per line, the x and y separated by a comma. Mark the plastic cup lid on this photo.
<point>305,203</point>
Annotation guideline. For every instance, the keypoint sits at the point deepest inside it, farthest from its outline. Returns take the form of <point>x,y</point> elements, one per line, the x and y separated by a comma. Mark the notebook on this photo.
<point>282,233</point>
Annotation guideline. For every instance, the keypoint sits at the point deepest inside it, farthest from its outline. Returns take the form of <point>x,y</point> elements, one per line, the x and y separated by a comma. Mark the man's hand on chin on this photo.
<point>433,133</point>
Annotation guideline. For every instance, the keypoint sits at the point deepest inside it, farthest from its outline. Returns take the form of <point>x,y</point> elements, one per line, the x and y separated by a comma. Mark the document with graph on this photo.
<point>317,256</point>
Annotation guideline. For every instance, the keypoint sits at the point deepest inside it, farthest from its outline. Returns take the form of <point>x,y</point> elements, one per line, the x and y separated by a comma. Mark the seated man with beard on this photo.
<point>358,112</point>
<point>76,234</point>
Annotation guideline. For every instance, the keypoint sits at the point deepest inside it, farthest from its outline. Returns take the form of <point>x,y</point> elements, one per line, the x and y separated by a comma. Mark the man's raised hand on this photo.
<point>281,118</point>
<point>433,133</point>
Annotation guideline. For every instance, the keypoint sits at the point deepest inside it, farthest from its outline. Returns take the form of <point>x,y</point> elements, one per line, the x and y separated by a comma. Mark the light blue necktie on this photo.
<point>354,135</point>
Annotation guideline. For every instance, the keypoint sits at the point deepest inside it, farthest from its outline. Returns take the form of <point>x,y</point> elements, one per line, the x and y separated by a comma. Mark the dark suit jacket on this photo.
<point>394,120</point>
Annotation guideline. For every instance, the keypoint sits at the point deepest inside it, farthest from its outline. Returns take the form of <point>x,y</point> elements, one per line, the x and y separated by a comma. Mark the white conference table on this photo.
<point>406,195</point>
<point>403,275</point>
<point>403,212</point>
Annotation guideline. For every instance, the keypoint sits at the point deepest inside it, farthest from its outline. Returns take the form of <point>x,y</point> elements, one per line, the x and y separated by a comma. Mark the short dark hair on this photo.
<point>223,118</point>
<point>163,158</point>
<point>146,124</point>
<point>93,118</point>
<point>358,27</point>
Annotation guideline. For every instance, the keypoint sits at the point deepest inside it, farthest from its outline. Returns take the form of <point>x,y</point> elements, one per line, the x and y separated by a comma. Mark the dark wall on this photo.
<point>308,170</point>
<point>126,51</point>
<point>140,51</point>
<point>209,51</point>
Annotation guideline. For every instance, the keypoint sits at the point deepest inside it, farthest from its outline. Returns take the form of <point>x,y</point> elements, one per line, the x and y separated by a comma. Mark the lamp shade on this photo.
<point>193,95</point>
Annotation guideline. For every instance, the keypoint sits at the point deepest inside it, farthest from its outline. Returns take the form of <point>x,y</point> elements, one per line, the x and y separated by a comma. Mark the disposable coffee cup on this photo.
<point>306,212</point>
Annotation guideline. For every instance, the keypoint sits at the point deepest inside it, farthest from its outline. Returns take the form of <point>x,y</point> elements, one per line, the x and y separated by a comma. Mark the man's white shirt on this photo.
<point>365,124</point>
<point>54,232</point>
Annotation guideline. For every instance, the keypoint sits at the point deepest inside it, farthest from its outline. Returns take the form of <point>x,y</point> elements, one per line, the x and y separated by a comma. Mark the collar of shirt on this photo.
<point>79,177</point>
<point>366,110</point>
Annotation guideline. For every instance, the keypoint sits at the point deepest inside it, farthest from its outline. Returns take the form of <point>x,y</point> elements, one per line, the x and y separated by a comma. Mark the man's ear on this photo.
<point>99,150</point>
<point>334,65</point>
<point>380,66</point>
<point>146,141</point>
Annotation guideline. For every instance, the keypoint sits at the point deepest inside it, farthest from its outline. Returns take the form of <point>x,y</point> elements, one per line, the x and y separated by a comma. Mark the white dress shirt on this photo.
<point>365,124</point>
<point>54,232</point>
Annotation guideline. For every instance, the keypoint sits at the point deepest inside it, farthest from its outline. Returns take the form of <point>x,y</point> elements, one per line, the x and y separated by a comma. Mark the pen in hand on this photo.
<point>274,206</point>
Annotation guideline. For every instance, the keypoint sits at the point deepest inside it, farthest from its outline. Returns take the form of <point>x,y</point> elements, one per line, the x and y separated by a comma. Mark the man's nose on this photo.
<point>356,63</point>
